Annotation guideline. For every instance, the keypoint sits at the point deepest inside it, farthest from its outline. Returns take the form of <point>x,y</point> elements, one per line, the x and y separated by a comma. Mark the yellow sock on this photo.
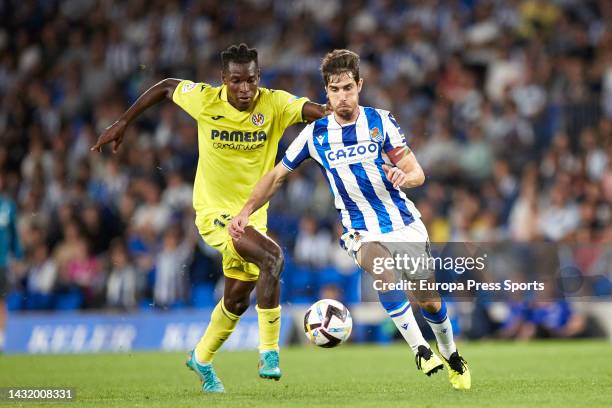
<point>269,327</point>
<point>222,324</point>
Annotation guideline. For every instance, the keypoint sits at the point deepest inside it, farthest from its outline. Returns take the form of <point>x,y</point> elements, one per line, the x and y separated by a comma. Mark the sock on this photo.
<point>441,326</point>
<point>397,306</point>
<point>222,324</point>
<point>2,339</point>
<point>269,328</point>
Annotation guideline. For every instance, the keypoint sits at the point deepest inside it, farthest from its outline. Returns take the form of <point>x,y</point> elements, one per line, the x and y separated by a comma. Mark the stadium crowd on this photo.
<point>506,104</point>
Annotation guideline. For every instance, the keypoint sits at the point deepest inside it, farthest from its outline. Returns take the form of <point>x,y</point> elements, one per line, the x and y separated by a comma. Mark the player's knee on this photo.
<point>432,306</point>
<point>273,261</point>
<point>236,305</point>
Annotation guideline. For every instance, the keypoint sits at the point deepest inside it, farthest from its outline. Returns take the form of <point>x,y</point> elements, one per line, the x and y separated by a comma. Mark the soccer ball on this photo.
<point>328,323</point>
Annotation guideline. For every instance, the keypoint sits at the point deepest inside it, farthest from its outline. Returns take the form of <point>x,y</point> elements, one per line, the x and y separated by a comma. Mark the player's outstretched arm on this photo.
<point>152,96</point>
<point>312,111</point>
<point>264,190</point>
<point>408,172</point>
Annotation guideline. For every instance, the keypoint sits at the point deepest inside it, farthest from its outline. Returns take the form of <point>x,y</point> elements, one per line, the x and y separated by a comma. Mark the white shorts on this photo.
<point>414,233</point>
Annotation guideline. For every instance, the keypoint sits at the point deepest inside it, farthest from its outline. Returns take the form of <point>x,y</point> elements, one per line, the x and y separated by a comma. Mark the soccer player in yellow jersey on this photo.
<point>239,127</point>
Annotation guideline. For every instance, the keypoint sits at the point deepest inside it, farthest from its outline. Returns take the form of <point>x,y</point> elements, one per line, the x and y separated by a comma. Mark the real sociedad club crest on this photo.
<point>375,135</point>
<point>258,119</point>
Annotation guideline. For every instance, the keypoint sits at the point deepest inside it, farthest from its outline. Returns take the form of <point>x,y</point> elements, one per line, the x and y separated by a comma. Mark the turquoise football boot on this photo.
<point>210,382</point>
<point>268,365</point>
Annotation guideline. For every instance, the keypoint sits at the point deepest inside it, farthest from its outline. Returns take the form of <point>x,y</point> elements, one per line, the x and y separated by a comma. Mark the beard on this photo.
<point>345,112</point>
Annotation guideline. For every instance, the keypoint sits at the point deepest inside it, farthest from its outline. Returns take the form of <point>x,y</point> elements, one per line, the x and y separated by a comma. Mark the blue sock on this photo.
<point>437,317</point>
<point>393,300</point>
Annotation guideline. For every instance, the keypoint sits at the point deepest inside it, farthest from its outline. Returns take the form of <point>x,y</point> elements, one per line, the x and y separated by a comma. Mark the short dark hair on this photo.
<point>240,54</point>
<point>338,62</point>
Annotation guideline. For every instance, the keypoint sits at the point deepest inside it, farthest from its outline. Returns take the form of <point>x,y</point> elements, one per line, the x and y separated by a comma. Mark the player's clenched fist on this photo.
<point>395,175</point>
<point>113,133</point>
<point>237,226</point>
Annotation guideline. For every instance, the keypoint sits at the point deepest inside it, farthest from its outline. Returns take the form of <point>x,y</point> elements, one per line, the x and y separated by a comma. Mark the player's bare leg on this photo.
<point>433,309</point>
<point>398,307</point>
<point>266,254</point>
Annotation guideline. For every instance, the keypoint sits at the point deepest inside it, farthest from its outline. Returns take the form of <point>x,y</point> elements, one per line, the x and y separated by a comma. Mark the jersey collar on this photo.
<point>361,114</point>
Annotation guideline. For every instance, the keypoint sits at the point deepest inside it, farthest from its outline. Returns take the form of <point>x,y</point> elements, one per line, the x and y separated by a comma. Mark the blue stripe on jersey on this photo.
<point>301,156</point>
<point>349,138</point>
<point>374,120</point>
<point>356,216</point>
<point>388,146</point>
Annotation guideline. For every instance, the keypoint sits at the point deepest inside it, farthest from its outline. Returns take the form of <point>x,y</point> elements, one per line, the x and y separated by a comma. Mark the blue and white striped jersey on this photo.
<point>351,157</point>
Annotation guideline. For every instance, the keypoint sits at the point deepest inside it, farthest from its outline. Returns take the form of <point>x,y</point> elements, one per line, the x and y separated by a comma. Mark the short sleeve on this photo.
<point>289,107</point>
<point>394,135</point>
<point>188,95</point>
<point>298,151</point>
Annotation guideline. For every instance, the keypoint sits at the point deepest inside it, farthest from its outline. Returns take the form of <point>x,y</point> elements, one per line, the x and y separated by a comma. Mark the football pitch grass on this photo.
<point>546,373</point>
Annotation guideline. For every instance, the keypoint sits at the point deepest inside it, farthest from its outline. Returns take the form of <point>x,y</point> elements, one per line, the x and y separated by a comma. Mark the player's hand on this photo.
<point>395,175</point>
<point>328,109</point>
<point>114,133</point>
<point>237,226</point>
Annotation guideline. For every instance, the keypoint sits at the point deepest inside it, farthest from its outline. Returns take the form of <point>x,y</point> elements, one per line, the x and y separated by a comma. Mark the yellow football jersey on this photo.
<point>236,148</point>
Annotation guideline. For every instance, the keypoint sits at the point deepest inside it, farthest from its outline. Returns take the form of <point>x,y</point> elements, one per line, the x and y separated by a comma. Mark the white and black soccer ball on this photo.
<point>328,323</point>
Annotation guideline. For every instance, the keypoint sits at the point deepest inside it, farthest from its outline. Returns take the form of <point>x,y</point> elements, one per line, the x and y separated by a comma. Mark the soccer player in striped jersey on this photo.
<point>239,127</point>
<point>363,154</point>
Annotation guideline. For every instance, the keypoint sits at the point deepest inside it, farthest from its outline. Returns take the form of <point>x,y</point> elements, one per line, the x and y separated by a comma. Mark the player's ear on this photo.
<point>359,84</point>
<point>224,76</point>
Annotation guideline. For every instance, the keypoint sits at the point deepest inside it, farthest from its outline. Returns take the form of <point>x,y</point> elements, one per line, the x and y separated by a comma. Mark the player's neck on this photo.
<point>347,120</point>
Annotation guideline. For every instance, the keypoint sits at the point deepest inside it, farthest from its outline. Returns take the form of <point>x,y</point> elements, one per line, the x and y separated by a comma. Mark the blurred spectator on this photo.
<point>41,272</point>
<point>312,244</point>
<point>560,216</point>
<point>171,268</point>
<point>123,280</point>
<point>507,105</point>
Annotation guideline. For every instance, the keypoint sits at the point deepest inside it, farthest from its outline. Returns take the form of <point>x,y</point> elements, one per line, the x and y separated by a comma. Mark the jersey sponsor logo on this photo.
<point>188,87</point>
<point>258,119</point>
<point>237,146</point>
<point>376,135</point>
<point>238,136</point>
<point>352,154</point>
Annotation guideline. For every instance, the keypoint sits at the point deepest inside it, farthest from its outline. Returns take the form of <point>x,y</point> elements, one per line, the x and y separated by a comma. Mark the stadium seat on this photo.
<point>14,301</point>
<point>301,282</point>
<point>202,295</point>
<point>72,300</point>
<point>38,301</point>
<point>146,305</point>
<point>602,286</point>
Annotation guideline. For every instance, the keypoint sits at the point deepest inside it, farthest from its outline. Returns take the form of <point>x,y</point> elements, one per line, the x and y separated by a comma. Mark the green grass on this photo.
<point>503,374</point>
